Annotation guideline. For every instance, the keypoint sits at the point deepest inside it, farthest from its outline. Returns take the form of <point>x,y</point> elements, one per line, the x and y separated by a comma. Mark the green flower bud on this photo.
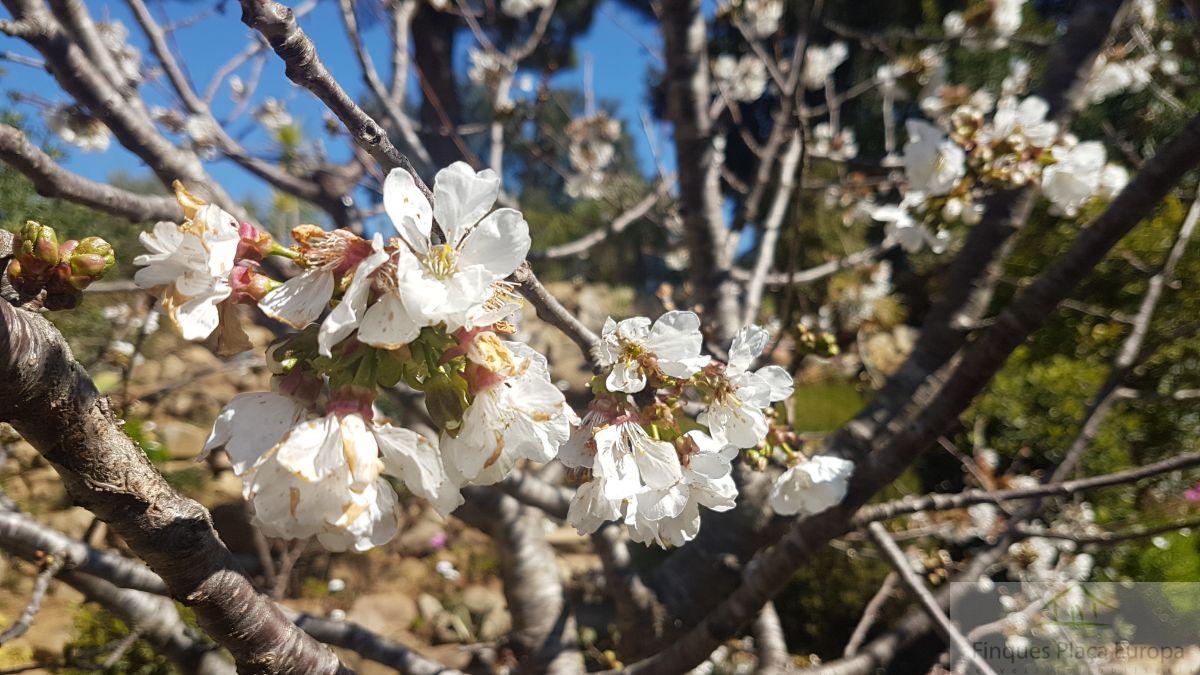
<point>88,260</point>
<point>88,265</point>
<point>446,400</point>
<point>40,241</point>
<point>97,246</point>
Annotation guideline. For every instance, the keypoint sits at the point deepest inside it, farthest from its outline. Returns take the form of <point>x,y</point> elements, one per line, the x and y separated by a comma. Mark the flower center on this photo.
<point>630,351</point>
<point>442,261</point>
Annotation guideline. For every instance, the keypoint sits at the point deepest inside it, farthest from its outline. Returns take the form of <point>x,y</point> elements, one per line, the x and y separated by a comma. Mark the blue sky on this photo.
<point>617,43</point>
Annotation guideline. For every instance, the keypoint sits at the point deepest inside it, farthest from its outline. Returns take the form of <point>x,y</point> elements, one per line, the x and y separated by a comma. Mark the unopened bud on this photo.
<point>249,284</point>
<point>40,241</point>
<point>89,260</point>
<point>255,244</point>
<point>446,400</point>
<point>97,246</point>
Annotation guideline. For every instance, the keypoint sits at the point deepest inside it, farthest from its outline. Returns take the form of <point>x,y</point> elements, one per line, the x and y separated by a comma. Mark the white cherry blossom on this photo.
<point>903,230</point>
<point>78,128</point>
<point>735,415</point>
<point>1006,18</point>
<point>323,477</point>
<point>671,517</point>
<point>519,8</point>
<point>836,144</point>
<point>742,79</point>
<point>302,299</point>
<point>458,283</point>
<point>1074,177</point>
<point>519,414</point>
<point>821,61</point>
<point>932,162</point>
<point>188,266</point>
<point>1023,122</point>
<point>760,18</point>
<point>812,486</point>
<point>672,345</point>
<point>1113,179</point>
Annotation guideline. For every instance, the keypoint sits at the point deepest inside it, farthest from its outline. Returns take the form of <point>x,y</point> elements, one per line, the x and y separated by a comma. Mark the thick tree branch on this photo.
<point>543,624</point>
<point>277,24</point>
<point>685,44</point>
<point>51,180</point>
<point>53,404</point>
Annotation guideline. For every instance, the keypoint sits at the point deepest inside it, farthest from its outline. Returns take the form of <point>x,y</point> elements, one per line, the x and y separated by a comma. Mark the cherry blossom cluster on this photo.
<point>741,79</point>
<point>985,23</point>
<point>425,307</point>
<point>759,19</point>
<point>972,149</point>
<point>591,152</point>
<point>74,125</point>
<point>658,439</point>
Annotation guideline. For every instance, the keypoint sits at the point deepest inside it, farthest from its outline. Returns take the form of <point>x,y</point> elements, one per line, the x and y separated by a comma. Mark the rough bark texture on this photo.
<point>543,635</point>
<point>685,49</point>
<point>49,398</point>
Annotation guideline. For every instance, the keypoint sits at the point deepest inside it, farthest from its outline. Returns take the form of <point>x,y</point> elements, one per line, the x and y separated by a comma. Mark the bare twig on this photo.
<point>50,567</point>
<point>618,225</point>
<point>550,310</point>
<point>917,587</point>
<point>946,501</point>
<point>278,25</point>
<point>870,614</point>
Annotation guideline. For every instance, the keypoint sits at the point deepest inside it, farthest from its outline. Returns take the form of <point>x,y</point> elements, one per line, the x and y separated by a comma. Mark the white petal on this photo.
<point>301,299</point>
<point>779,381</point>
<point>345,317</point>
<point>387,324</point>
<point>676,336</point>
<point>499,243</point>
<point>250,425</point>
<point>656,460</point>
<point>313,449</point>
<point>749,342</point>
<point>413,459</point>
<point>405,204</point>
<point>359,451</point>
<point>659,504</point>
<point>461,197</point>
<point>590,509</point>
<point>198,318</point>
